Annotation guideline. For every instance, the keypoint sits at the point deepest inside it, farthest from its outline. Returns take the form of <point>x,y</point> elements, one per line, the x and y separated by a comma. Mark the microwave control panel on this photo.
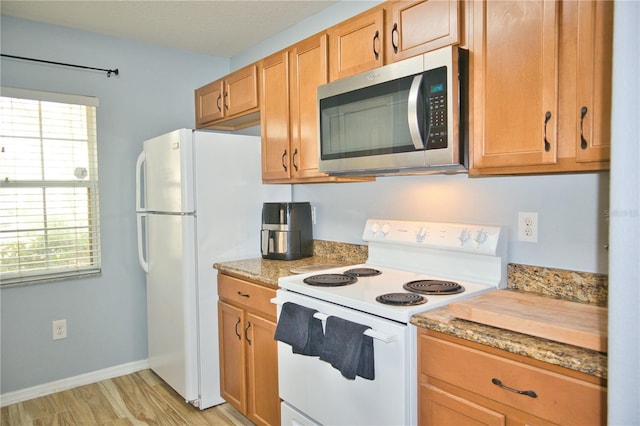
<point>436,91</point>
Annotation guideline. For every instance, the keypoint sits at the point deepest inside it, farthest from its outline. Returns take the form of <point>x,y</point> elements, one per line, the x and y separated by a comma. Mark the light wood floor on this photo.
<point>140,398</point>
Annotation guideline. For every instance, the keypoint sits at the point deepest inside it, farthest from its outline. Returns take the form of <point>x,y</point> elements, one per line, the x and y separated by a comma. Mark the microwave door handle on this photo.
<point>412,113</point>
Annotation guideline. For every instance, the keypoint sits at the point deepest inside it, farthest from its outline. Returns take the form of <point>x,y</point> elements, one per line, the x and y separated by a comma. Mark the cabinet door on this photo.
<point>440,408</point>
<point>357,44</point>
<point>415,27</point>
<point>515,79</point>
<point>593,76</point>
<point>209,103</point>
<point>232,355</point>
<point>274,111</point>
<point>241,91</point>
<point>262,366</point>
<point>309,69</point>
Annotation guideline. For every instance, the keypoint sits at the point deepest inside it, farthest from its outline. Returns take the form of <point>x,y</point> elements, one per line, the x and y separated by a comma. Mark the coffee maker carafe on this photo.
<point>286,231</point>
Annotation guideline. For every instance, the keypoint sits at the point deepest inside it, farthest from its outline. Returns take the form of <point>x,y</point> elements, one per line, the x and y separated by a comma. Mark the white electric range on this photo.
<point>448,261</point>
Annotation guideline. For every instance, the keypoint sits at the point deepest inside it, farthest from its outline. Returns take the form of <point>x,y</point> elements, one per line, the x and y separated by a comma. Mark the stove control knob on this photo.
<point>480,238</point>
<point>421,234</point>
<point>464,236</point>
<point>386,228</point>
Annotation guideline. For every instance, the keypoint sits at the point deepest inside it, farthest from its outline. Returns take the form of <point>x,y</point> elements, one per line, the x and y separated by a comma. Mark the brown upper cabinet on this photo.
<point>274,121</point>
<point>541,86</point>
<point>357,45</point>
<point>229,103</point>
<point>289,112</point>
<point>416,27</point>
<point>393,31</point>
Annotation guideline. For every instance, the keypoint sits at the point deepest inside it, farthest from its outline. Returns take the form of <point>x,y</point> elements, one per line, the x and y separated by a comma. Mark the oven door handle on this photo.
<point>386,338</point>
<point>383,337</point>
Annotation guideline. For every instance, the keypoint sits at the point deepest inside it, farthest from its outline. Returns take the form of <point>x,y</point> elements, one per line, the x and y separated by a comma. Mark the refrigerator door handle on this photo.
<point>143,262</point>
<point>139,163</point>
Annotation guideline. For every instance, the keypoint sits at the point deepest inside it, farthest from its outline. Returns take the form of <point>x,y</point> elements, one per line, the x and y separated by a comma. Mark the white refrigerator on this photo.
<point>199,198</point>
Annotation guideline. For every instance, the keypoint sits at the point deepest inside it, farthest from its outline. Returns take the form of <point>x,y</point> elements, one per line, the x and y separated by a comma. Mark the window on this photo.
<point>49,221</point>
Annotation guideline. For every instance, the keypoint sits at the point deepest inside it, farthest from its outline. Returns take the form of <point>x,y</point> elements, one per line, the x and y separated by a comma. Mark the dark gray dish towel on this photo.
<point>298,328</point>
<point>348,349</point>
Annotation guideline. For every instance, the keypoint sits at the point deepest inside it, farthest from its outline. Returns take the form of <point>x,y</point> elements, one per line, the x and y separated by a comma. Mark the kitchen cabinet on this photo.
<point>289,112</point>
<point>357,44</point>
<point>248,352</point>
<point>461,382</point>
<point>391,32</point>
<point>416,27</point>
<point>274,128</point>
<point>541,86</point>
<point>229,103</point>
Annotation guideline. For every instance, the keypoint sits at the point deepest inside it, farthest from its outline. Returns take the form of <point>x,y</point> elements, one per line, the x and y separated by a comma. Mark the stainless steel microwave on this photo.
<point>403,118</point>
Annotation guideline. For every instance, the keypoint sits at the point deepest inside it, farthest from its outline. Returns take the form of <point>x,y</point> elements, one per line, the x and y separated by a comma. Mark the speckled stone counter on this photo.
<point>267,271</point>
<point>560,284</point>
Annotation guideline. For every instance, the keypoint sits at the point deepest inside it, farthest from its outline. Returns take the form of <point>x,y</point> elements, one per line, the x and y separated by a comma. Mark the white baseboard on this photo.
<point>72,382</point>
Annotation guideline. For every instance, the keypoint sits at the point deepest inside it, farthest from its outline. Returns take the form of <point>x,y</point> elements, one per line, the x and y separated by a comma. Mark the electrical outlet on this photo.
<point>528,227</point>
<point>59,329</point>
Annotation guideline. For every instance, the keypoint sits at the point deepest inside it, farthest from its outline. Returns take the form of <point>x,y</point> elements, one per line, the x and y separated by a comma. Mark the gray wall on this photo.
<point>106,316</point>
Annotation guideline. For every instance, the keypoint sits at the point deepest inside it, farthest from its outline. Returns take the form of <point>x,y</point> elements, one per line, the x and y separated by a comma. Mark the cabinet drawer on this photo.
<point>561,399</point>
<point>246,294</point>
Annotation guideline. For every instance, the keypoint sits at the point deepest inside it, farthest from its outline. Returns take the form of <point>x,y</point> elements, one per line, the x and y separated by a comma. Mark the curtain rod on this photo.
<point>109,72</point>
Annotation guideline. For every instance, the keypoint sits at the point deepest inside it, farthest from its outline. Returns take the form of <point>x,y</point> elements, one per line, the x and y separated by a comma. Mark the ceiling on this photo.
<point>213,27</point>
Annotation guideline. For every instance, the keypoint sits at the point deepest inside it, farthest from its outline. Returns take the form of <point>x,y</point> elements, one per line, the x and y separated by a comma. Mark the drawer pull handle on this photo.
<point>244,294</point>
<point>528,393</point>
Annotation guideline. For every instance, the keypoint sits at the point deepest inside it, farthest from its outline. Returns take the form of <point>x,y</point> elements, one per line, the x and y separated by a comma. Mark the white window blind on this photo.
<point>49,218</point>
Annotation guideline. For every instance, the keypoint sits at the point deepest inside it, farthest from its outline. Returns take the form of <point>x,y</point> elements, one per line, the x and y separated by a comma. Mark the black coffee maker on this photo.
<point>287,232</point>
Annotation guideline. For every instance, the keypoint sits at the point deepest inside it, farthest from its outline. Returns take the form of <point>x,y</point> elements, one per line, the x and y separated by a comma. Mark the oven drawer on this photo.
<point>253,296</point>
<point>558,398</point>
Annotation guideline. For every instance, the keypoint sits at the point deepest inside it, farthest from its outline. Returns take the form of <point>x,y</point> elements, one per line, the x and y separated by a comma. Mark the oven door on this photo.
<point>319,392</point>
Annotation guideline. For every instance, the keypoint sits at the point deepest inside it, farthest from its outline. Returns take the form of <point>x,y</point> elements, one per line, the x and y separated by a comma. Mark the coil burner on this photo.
<point>401,299</point>
<point>330,280</point>
<point>433,287</point>
<point>362,272</point>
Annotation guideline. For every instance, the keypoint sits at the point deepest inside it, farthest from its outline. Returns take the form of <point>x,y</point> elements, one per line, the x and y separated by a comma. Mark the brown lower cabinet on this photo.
<point>248,352</point>
<point>464,383</point>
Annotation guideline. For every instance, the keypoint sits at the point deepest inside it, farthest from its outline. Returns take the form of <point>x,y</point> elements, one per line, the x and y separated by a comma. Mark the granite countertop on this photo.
<point>567,285</point>
<point>575,358</point>
<point>574,286</point>
<point>267,271</point>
